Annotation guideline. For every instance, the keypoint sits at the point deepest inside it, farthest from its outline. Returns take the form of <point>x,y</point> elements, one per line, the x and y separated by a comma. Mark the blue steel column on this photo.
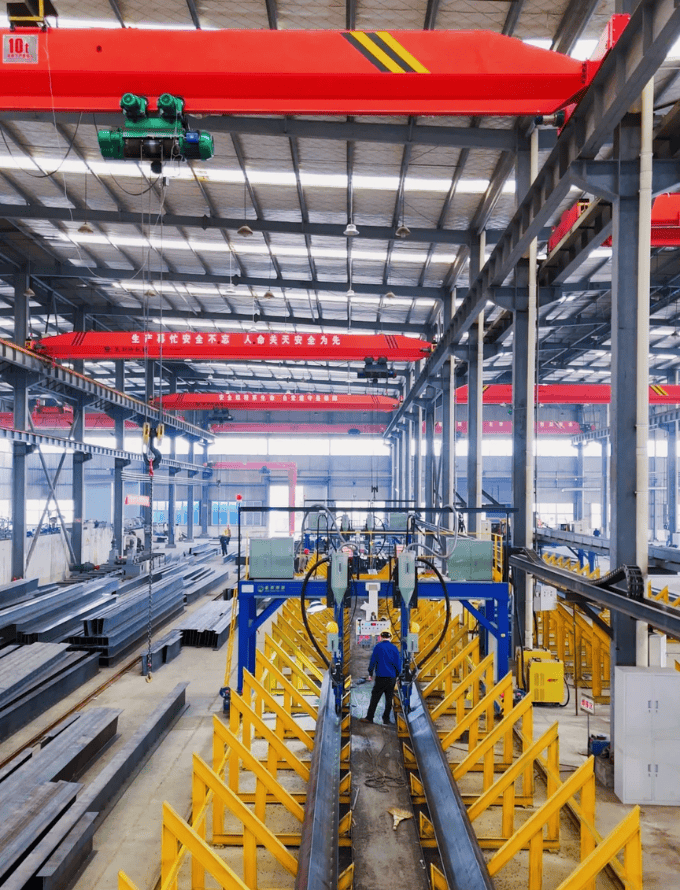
<point>19,449</point>
<point>475,395</point>
<point>408,469</point>
<point>629,372</point>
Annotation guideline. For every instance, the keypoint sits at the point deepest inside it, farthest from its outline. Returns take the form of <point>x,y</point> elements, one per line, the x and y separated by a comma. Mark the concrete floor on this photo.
<point>129,839</point>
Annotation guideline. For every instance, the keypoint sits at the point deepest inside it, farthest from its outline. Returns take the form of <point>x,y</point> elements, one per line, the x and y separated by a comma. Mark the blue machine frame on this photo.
<point>494,618</point>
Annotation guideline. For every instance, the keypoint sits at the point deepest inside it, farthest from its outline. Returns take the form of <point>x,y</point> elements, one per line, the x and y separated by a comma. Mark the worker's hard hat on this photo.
<point>386,634</point>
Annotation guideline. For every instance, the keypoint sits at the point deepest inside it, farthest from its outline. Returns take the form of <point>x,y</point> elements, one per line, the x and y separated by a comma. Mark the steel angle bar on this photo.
<point>318,862</point>
<point>662,617</point>
<point>461,855</point>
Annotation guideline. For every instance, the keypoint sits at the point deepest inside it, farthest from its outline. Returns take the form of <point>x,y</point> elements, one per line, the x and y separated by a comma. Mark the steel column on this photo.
<point>118,485</point>
<point>205,497</point>
<point>190,498</point>
<point>418,461</point>
<point>522,446</point>
<point>408,467</point>
<point>447,485</point>
<point>604,458</point>
<point>429,457</point>
<point>579,483</point>
<point>672,478</point>
<point>629,373</point>
<point>20,449</point>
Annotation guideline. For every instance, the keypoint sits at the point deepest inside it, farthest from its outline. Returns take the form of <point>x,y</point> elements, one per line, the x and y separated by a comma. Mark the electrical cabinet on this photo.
<point>472,560</point>
<point>647,735</point>
<point>271,558</point>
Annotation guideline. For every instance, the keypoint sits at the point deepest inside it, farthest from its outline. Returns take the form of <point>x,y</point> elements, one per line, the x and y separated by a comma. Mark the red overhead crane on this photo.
<point>288,72</point>
<point>189,345</point>
<point>270,401</point>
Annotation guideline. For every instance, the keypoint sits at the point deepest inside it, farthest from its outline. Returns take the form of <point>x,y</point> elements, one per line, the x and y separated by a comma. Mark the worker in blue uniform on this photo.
<point>384,664</point>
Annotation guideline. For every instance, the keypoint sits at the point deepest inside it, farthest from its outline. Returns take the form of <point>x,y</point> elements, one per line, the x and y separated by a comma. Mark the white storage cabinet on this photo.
<point>647,735</point>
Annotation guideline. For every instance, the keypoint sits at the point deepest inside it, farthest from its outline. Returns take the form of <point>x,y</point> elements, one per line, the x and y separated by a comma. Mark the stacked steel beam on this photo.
<point>116,630</point>
<point>208,626</point>
<point>33,678</point>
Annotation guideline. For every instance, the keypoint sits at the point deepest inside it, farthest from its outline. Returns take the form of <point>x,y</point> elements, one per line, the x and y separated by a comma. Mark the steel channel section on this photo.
<point>318,863</point>
<point>662,617</point>
<point>461,856</point>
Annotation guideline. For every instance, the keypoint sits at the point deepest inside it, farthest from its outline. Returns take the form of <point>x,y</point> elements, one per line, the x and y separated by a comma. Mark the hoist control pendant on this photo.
<point>157,136</point>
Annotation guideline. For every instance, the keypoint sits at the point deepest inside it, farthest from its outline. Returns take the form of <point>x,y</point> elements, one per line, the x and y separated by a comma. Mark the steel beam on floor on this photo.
<point>461,856</point>
<point>318,863</point>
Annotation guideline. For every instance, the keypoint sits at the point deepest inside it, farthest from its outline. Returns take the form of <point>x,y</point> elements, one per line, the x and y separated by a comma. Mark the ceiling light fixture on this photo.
<point>268,295</point>
<point>245,231</point>
<point>389,295</point>
<point>86,229</point>
<point>29,293</point>
<point>403,231</point>
<point>351,230</point>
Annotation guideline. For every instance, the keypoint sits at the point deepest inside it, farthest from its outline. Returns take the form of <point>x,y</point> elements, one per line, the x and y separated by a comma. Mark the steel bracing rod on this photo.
<point>318,858</point>
<point>57,377</point>
<point>461,856</point>
<point>662,617</point>
<point>629,66</point>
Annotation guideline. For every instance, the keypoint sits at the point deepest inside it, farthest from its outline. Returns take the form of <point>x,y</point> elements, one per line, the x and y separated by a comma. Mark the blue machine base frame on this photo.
<point>494,619</point>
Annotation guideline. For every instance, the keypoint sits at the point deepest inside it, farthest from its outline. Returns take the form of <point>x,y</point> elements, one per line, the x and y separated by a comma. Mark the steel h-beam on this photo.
<point>318,862</point>
<point>462,859</point>
<point>629,370</point>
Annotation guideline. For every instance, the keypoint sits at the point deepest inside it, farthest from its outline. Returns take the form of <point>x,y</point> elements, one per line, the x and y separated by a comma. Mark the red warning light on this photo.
<point>239,497</point>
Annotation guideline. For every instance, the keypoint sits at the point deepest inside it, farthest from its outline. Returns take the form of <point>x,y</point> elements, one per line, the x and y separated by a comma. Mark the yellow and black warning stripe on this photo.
<point>659,390</point>
<point>386,53</point>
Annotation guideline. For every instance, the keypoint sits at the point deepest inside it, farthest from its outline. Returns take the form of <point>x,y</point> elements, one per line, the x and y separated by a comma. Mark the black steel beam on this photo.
<point>461,855</point>
<point>662,617</point>
<point>318,863</point>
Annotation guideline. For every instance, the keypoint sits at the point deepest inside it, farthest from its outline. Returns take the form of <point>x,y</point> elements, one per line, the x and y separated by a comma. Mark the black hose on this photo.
<point>303,609</point>
<point>436,571</point>
<point>568,695</point>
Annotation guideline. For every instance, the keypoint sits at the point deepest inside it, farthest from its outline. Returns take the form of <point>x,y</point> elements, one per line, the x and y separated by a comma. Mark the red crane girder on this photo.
<point>569,394</point>
<point>182,345</point>
<point>270,401</point>
<point>288,72</point>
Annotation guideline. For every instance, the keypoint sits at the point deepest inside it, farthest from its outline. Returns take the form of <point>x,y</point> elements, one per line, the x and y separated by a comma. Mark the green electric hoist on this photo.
<point>159,136</point>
